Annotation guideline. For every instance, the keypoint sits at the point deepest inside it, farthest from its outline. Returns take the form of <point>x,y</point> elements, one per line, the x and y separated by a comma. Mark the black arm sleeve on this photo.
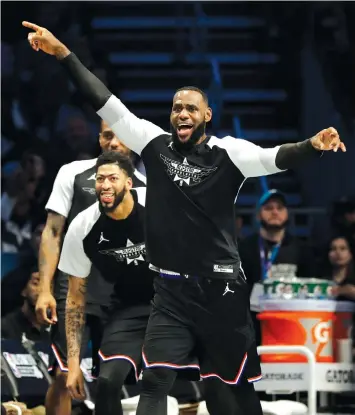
<point>87,83</point>
<point>292,155</point>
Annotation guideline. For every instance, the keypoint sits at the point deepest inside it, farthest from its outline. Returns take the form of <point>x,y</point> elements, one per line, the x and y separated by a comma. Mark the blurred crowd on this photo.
<point>44,127</point>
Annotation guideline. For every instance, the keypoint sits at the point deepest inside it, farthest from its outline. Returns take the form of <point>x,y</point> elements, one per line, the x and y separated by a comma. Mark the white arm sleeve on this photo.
<point>134,132</point>
<point>61,197</point>
<point>73,260</point>
<point>250,159</point>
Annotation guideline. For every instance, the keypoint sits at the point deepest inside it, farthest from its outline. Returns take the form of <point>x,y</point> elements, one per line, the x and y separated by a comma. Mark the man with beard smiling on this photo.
<point>110,236</point>
<point>273,252</point>
<point>200,324</point>
<point>73,191</point>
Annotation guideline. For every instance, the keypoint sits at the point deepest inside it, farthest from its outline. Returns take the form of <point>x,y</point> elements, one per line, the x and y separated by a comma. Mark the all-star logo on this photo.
<point>184,172</point>
<point>131,253</point>
<point>93,177</point>
<point>90,190</point>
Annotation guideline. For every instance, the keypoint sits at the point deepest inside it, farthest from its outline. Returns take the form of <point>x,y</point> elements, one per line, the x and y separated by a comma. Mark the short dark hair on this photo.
<point>114,157</point>
<point>194,88</point>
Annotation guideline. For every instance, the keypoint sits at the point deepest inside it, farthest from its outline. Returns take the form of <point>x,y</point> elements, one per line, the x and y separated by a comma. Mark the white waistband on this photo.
<point>162,271</point>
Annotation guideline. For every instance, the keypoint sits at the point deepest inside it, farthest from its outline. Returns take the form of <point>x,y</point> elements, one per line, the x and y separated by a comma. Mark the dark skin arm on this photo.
<point>74,328</point>
<point>49,253</point>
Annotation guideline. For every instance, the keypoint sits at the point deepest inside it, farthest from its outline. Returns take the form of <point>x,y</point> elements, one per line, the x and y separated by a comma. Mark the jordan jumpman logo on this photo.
<point>227,290</point>
<point>102,239</point>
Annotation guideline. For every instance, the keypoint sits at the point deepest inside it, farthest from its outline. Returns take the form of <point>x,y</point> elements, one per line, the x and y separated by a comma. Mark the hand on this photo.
<point>328,139</point>
<point>44,303</point>
<point>75,382</point>
<point>44,40</point>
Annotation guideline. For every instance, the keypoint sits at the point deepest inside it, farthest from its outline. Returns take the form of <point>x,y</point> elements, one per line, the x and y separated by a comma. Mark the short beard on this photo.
<point>118,199</point>
<point>273,228</point>
<point>199,131</point>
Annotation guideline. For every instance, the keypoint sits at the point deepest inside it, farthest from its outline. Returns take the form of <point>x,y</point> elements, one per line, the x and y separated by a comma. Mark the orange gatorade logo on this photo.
<point>318,336</point>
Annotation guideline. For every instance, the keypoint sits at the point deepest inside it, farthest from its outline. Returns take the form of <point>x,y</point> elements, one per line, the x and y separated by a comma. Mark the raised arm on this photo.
<point>134,132</point>
<point>255,161</point>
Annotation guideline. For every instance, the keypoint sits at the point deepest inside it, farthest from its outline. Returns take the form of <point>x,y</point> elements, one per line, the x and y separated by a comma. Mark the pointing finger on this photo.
<point>31,26</point>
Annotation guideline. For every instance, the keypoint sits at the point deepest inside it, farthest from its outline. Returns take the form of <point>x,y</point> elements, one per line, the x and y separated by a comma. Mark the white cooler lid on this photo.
<point>306,305</point>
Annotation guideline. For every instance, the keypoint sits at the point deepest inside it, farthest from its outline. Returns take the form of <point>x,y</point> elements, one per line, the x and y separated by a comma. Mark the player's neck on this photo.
<point>202,139</point>
<point>339,273</point>
<point>124,209</point>
<point>272,235</point>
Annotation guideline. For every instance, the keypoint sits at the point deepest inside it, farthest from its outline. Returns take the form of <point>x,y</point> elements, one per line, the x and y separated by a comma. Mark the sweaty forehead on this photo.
<point>188,97</point>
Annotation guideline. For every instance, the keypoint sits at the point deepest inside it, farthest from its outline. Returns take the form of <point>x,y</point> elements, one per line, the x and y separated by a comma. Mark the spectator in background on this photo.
<point>21,204</point>
<point>343,217</point>
<point>74,138</point>
<point>272,252</point>
<point>34,167</point>
<point>340,267</point>
<point>10,297</point>
<point>11,186</point>
<point>24,320</point>
<point>16,224</point>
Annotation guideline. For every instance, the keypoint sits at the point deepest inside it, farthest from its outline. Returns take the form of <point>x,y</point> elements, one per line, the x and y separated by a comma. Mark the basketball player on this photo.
<point>73,191</point>
<point>110,236</point>
<point>200,322</point>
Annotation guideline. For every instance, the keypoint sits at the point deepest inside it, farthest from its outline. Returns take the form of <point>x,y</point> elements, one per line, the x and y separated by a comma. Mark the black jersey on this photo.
<point>190,227</point>
<point>115,247</point>
<point>74,191</point>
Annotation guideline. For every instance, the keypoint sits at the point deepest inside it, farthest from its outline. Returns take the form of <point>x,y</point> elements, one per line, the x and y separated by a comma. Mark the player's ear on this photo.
<point>129,183</point>
<point>208,114</point>
<point>24,292</point>
<point>101,141</point>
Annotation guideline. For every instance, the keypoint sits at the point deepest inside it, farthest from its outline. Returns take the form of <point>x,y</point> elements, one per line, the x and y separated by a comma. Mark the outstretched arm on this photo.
<point>254,161</point>
<point>134,132</point>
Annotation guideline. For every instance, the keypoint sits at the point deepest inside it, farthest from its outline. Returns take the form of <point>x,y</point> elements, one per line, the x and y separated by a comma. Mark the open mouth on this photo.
<point>107,197</point>
<point>184,131</point>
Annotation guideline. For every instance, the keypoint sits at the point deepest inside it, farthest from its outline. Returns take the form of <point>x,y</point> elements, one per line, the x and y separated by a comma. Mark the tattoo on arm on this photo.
<point>75,315</point>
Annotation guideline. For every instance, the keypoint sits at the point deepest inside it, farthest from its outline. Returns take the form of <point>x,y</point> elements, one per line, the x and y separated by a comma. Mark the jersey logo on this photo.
<point>93,177</point>
<point>102,239</point>
<point>227,290</point>
<point>90,190</point>
<point>131,253</point>
<point>184,172</point>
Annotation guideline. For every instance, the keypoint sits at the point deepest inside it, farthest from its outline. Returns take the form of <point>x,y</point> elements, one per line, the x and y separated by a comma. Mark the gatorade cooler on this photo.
<point>316,324</point>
